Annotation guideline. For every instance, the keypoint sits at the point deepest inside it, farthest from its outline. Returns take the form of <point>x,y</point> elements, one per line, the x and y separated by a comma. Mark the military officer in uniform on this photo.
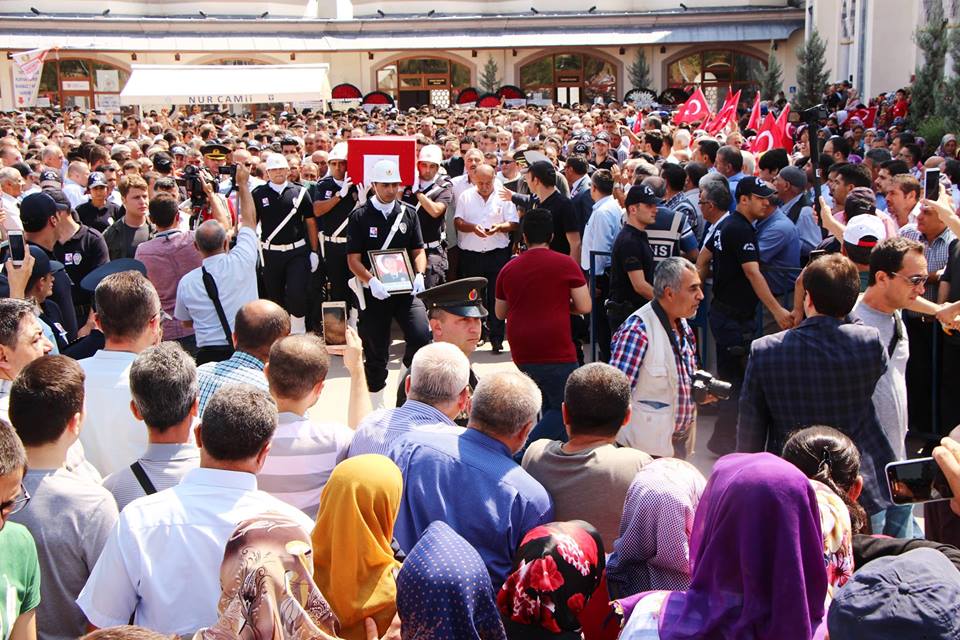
<point>431,195</point>
<point>383,222</point>
<point>334,197</point>
<point>288,241</point>
<point>455,311</point>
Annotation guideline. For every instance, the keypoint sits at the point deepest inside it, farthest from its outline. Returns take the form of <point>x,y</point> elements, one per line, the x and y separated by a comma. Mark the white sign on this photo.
<point>27,68</point>
<point>108,80</point>
<point>76,85</point>
<point>514,103</point>
<point>109,102</point>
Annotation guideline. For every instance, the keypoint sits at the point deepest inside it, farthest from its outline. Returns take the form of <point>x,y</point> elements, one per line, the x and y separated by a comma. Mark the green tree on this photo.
<point>488,79</point>
<point>812,73</point>
<point>639,71</point>
<point>928,85</point>
<point>950,105</point>
<point>769,78</point>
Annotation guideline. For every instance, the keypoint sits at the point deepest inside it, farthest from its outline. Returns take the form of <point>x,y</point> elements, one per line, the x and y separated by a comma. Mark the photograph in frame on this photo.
<point>392,268</point>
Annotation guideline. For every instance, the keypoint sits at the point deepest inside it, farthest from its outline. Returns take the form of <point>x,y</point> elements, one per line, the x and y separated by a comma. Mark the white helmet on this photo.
<point>339,152</point>
<point>431,153</point>
<point>276,161</point>
<point>385,171</point>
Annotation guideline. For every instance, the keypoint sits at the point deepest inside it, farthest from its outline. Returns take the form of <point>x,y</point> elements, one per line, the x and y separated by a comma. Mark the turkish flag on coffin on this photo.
<point>694,109</point>
<point>363,153</point>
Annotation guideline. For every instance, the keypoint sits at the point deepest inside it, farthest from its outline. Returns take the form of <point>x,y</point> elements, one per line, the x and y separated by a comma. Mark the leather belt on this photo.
<point>335,239</point>
<point>433,245</point>
<point>283,247</point>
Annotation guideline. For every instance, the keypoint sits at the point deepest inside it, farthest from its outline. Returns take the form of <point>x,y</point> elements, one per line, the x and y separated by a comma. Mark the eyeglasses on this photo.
<point>915,281</point>
<point>11,507</point>
<point>508,162</point>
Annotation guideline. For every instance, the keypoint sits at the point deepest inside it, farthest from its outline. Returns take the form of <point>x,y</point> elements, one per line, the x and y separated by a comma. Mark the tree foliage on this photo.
<point>639,71</point>
<point>928,86</point>
<point>489,81</point>
<point>769,78</point>
<point>812,73</point>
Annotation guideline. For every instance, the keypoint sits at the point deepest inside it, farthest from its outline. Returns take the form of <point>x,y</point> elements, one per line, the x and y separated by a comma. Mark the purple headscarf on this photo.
<point>756,554</point>
<point>653,550</point>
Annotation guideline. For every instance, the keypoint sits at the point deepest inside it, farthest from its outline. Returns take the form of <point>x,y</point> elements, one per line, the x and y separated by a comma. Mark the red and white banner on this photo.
<point>727,113</point>
<point>754,121</point>
<point>695,109</point>
<point>27,68</point>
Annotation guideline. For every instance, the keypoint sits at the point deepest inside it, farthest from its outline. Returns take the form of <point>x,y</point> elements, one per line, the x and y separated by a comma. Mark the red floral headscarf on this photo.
<point>556,570</point>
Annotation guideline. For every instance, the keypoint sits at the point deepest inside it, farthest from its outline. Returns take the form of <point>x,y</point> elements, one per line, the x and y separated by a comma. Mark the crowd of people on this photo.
<point>167,280</point>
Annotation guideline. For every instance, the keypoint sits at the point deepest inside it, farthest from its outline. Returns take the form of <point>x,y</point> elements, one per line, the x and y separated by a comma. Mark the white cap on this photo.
<point>276,161</point>
<point>339,152</point>
<point>431,153</point>
<point>384,171</point>
<point>865,230</point>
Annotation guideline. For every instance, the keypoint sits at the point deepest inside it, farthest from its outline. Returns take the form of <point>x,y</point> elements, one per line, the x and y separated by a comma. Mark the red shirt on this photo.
<point>536,285</point>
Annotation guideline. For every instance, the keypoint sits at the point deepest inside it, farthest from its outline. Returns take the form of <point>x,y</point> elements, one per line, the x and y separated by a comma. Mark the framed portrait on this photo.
<point>392,267</point>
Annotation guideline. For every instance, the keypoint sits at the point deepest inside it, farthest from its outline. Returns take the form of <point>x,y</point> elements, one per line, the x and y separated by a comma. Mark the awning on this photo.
<point>225,84</point>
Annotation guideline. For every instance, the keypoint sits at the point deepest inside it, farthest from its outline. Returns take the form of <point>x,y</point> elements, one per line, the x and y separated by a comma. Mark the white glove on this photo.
<point>377,289</point>
<point>314,262</point>
<point>361,193</point>
<point>418,284</point>
<point>346,187</point>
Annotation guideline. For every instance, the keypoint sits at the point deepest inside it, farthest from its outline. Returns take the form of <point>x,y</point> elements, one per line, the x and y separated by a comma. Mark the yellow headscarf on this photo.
<point>352,557</point>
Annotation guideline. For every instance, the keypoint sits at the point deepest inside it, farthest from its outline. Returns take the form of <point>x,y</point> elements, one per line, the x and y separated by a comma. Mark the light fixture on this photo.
<point>533,9</point>
<point>663,49</point>
<point>776,46</point>
<point>473,54</point>
<point>431,12</point>
<point>105,13</point>
<point>203,14</point>
<point>592,9</point>
<point>381,13</point>
<point>133,56</point>
<point>623,50</point>
<point>514,53</point>
<point>293,55</point>
<point>264,14</point>
<point>370,55</point>
<point>176,57</point>
<point>35,11</point>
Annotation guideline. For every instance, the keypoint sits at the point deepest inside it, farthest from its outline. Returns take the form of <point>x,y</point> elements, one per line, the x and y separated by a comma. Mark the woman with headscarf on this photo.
<point>653,550</point>
<point>352,542</point>
<point>268,592</point>
<point>757,557</point>
<point>556,570</point>
<point>948,146</point>
<point>444,590</point>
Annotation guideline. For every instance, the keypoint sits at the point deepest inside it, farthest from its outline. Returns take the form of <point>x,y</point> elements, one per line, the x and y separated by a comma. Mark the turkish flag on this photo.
<point>755,114</point>
<point>870,118</point>
<point>363,153</point>
<point>694,109</point>
<point>638,123</point>
<point>783,124</point>
<point>768,137</point>
<point>727,113</point>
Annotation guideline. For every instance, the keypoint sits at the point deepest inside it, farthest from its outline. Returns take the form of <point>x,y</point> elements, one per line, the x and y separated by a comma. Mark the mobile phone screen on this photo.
<point>334,323</point>
<point>919,480</point>
<point>931,184</point>
<point>17,247</point>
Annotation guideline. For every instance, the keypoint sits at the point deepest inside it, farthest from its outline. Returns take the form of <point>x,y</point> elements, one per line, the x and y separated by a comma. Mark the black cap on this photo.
<point>96,179</point>
<point>178,150</point>
<point>162,162</point>
<point>602,137</point>
<point>640,194</point>
<point>581,149</point>
<point>63,202</point>
<point>288,141</point>
<point>92,279</point>
<point>461,297</point>
<point>215,151</point>
<point>42,264</point>
<point>36,209</point>
<point>752,186</point>
<point>50,177</point>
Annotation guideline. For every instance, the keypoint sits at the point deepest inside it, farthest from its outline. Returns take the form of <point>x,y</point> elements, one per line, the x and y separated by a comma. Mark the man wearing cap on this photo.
<point>601,152</point>
<point>50,179</point>
<point>334,197</point>
<point>98,212</point>
<point>738,285</point>
<point>632,261</point>
<point>289,241</point>
<point>385,223</point>
<point>791,186</point>
<point>81,249</point>
<point>779,247</point>
<point>179,154</point>
<point>431,195</point>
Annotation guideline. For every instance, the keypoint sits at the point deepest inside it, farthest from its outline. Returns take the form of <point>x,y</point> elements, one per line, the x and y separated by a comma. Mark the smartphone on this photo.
<point>931,184</point>
<point>17,247</point>
<point>334,323</point>
<point>919,480</point>
<point>817,253</point>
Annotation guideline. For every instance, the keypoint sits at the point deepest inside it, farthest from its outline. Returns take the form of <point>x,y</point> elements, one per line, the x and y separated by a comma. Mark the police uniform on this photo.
<point>333,236</point>
<point>463,298</point>
<point>433,229</point>
<point>286,263</point>
<point>367,230</point>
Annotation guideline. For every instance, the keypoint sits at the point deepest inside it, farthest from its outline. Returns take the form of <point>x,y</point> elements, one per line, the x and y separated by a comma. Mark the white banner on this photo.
<point>27,68</point>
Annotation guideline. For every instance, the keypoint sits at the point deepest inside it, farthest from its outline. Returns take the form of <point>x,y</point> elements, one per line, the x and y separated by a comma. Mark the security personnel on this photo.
<point>385,223</point>
<point>288,241</point>
<point>455,311</point>
<point>334,197</point>
<point>431,195</point>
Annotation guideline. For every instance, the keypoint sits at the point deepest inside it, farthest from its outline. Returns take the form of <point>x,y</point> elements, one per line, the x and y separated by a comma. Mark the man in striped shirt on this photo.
<point>303,452</point>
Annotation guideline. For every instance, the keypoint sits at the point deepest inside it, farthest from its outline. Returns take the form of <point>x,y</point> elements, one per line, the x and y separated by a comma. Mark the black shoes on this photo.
<point>496,347</point>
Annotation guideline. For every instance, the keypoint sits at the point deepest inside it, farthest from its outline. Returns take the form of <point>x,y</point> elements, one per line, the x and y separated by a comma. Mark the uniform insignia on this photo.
<point>266,202</point>
<point>403,227</point>
<point>472,295</point>
<point>373,232</point>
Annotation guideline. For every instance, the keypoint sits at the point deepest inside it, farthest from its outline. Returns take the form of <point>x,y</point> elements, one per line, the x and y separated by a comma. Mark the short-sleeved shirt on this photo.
<point>164,464</point>
<point>331,220</point>
<point>631,252</point>
<point>733,245</point>
<point>97,217</point>
<point>273,208</point>
<point>779,245</point>
<point>565,220</point>
<point>369,227</point>
<point>82,253</point>
<point>19,575</point>
<point>439,191</point>
<point>536,285</point>
<point>168,257</point>
<point>122,239</point>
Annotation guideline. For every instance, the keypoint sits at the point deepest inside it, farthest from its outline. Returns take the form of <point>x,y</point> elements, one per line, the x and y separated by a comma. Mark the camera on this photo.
<point>704,384</point>
<point>193,179</point>
<point>815,113</point>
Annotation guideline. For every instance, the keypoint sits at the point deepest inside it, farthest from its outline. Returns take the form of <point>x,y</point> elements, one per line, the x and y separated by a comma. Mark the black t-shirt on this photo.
<point>564,220</point>
<point>631,252</point>
<point>607,163</point>
<point>368,228</point>
<point>95,218</point>
<point>440,191</point>
<point>61,293</point>
<point>734,244</point>
<point>273,207</point>
<point>454,166</point>
<point>331,220</point>
<point>81,254</point>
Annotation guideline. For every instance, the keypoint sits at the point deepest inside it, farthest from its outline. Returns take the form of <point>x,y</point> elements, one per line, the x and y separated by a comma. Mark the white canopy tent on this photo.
<point>225,84</point>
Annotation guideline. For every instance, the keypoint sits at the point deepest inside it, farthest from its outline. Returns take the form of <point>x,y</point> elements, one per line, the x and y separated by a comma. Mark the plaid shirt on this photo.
<point>240,368</point>
<point>628,348</point>
<point>823,372</point>
<point>937,254</point>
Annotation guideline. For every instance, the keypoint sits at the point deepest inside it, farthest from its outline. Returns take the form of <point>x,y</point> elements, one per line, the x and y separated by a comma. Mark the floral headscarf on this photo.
<point>268,588</point>
<point>556,570</point>
<point>837,537</point>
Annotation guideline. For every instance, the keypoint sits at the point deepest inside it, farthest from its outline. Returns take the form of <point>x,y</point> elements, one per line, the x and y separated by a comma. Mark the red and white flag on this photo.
<point>783,127</point>
<point>727,113</point>
<point>767,138</point>
<point>754,122</point>
<point>694,109</point>
<point>30,62</point>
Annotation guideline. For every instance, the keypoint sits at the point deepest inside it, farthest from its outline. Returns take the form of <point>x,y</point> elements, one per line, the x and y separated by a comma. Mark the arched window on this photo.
<point>715,70</point>
<point>79,82</point>
<point>419,81</point>
<point>568,78</point>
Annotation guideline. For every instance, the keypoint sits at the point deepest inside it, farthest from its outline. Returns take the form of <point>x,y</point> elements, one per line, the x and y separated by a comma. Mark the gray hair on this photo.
<point>9,174</point>
<point>716,190</point>
<point>504,403</point>
<point>12,313</point>
<point>657,184</point>
<point>163,385</point>
<point>669,273</point>
<point>238,422</point>
<point>877,156</point>
<point>210,236</point>
<point>13,457</point>
<point>438,373</point>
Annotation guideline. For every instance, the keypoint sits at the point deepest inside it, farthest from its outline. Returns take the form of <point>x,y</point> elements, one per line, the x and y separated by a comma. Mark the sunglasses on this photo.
<point>915,281</point>
<point>11,507</point>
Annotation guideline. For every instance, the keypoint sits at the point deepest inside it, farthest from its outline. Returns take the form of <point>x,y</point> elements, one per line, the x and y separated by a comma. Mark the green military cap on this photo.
<point>461,297</point>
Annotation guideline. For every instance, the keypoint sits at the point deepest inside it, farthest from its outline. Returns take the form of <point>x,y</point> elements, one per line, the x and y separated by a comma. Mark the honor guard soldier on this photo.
<point>430,196</point>
<point>455,311</point>
<point>334,197</point>
<point>385,223</point>
<point>288,241</point>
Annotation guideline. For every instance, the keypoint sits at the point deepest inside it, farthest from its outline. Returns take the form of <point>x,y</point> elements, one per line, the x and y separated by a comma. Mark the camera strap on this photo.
<point>671,331</point>
<point>211,286</point>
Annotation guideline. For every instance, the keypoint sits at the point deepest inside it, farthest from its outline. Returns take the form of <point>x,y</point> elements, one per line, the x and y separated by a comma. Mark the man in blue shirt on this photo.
<point>470,480</point>
<point>730,166</point>
<point>779,246</point>
<point>791,186</point>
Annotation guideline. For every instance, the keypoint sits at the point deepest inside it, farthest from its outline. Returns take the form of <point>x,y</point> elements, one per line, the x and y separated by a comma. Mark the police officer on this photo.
<point>288,241</point>
<point>334,197</point>
<point>385,223</point>
<point>455,311</point>
<point>430,196</point>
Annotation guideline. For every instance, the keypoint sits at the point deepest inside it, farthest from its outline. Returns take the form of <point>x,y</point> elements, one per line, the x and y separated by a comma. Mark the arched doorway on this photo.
<point>418,81</point>
<point>716,71</point>
<point>81,82</point>
<point>567,78</point>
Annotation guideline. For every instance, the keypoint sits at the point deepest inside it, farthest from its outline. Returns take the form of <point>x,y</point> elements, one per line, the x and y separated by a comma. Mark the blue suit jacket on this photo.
<point>583,205</point>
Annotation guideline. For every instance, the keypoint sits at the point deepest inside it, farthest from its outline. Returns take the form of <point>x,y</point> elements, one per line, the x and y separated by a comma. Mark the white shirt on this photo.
<point>473,208</point>
<point>601,231</point>
<point>162,562</point>
<point>12,208</point>
<point>460,184</point>
<point>112,438</point>
<point>236,278</point>
<point>74,192</point>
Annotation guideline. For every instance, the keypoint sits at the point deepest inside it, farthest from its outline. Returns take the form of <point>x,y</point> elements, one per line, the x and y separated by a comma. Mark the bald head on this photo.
<point>211,238</point>
<point>258,325</point>
<point>484,179</point>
